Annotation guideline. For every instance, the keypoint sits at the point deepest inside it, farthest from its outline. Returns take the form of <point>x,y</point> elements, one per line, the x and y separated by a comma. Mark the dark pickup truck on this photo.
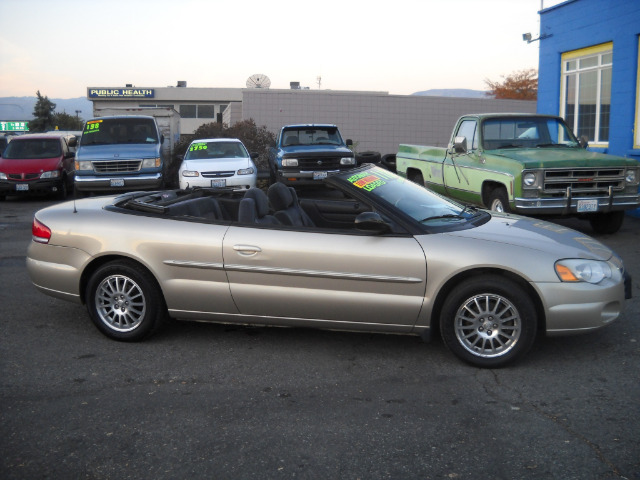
<point>305,154</point>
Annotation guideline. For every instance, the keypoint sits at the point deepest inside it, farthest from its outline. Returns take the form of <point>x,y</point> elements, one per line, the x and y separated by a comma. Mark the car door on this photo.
<point>461,170</point>
<point>326,279</point>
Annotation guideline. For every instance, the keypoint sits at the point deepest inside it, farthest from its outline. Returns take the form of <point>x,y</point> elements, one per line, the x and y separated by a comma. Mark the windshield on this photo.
<point>421,204</point>
<point>530,132</point>
<point>311,136</point>
<point>116,131</point>
<point>33,148</point>
<point>209,150</point>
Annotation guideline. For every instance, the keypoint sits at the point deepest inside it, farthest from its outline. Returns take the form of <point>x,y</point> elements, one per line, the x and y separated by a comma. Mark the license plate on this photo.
<point>22,187</point>
<point>117,182</point>
<point>219,182</point>
<point>587,206</point>
<point>319,175</point>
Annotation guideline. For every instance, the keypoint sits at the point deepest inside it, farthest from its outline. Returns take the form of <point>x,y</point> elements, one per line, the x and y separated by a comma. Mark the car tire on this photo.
<point>606,222</point>
<point>368,157</point>
<point>388,161</point>
<point>62,190</point>
<point>416,177</point>
<point>124,301</point>
<point>488,321</point>
<point>499,201</point>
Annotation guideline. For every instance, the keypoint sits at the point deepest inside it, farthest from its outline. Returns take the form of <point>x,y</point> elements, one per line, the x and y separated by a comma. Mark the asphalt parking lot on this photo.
<point>209,401</point>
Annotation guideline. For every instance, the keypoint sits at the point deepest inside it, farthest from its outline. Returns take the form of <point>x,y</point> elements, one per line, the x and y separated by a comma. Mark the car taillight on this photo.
<point>40,232</point>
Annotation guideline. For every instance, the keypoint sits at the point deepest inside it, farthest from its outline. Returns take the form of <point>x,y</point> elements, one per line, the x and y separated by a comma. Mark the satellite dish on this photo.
<point>258,81</point>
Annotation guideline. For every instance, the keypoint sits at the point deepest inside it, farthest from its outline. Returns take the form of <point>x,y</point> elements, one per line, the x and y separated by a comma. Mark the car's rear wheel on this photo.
<point>124,301</point>
<point>488,321</point>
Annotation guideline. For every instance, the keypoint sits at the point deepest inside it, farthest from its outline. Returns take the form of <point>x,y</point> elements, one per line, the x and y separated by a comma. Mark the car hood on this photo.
<point>22,165</point>
<point>560,157</point>
<point>533,234</point>
<point>313,149</point>
<point>216,164</point>
<point>122,151</point>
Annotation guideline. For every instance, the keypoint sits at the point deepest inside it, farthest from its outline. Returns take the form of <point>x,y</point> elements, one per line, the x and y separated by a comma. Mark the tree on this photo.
<point>64,121</point>
<point>43,114</point>
<point>520,85</point>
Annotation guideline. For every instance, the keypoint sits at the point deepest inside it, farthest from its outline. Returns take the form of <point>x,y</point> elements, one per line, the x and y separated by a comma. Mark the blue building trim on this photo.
<point>579,24</point>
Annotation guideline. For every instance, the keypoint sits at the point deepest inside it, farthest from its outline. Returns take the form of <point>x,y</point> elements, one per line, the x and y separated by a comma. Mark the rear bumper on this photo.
<point>95,183</point>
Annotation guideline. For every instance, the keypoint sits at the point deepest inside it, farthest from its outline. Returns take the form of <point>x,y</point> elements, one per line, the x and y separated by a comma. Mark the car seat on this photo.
<point>254,208</point>
<point>287,209</point>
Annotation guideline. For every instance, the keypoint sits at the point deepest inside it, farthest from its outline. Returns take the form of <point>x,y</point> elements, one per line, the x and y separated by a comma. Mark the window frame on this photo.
<point>598,51</point>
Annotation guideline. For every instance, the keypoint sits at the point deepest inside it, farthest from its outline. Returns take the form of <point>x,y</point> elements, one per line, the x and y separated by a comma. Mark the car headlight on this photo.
<point>190,173</point>
<point>84,165</point>
<point>348,161</point>
<point>579,270</point>
<point>530,179</point>
<point>151,162</point>
<point>631,176</point>
<point>3,176</point>
<point>245,171</point>
<point>50,174</point>
<point>289,162</point>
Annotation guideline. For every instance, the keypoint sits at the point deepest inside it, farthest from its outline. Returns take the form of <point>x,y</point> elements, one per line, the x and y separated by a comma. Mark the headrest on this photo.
<point>280,196</point>
<point>260,199</point>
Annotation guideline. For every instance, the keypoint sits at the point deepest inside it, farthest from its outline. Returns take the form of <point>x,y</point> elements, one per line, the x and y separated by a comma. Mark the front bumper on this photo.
<point>569,205</point>
<point>304,177</point>
<point>49,185</point>
<point>96,183</point>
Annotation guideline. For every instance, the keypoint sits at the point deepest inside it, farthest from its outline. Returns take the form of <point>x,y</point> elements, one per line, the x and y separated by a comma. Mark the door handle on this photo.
<point>247,249</point>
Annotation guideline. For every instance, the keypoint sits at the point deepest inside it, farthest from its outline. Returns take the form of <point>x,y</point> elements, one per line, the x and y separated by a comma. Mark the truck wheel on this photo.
<point>606,222</point>
<point>416,177</point>
<point>498,201</point>
<point>488,321</point>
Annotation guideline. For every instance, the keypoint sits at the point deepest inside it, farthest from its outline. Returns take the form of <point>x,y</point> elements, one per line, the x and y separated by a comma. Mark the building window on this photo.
<point>198,111</point>
<point>586,92</point>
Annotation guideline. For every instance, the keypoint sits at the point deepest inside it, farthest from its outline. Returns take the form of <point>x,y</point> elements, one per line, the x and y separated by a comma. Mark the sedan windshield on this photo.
<point>529,132</point>
<point>116,131</point>
<point>208,150</point>
<point>415,201</point>
<point>33,148</point>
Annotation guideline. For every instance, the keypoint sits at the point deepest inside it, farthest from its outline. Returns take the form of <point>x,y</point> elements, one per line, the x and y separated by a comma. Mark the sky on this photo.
<point>61,47</point>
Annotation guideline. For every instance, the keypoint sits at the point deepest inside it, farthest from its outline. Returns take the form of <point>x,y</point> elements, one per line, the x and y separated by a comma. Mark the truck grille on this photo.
<point>117,166</point>
<point>319,163</point>
<point>585,181</point>
<point>217,174</point>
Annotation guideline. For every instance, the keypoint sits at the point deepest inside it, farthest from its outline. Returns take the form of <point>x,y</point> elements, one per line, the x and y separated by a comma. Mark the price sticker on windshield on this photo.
<point>93,126</point>
<point>198,146</point>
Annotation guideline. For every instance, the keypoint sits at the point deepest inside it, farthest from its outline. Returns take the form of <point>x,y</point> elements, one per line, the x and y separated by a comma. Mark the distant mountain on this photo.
<point>21,108</point>
<point>452,92</point>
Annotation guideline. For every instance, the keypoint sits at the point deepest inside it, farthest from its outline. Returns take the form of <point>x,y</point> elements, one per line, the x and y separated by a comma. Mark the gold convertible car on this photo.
<point>372,252</point>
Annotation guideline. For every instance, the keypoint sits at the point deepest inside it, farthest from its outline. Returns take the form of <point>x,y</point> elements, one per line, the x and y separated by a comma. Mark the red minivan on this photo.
<point>38,163</point>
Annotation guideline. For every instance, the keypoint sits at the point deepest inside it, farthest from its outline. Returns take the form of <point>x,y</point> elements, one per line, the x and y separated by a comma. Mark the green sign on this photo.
<point>14,126</point>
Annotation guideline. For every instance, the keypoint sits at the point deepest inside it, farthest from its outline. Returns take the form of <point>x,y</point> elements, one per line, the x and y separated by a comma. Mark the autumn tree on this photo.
<point>43,114</point>
<point>520,85</point>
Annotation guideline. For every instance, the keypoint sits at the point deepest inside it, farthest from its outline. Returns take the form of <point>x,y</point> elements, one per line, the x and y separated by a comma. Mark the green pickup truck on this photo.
<point>526,164</point>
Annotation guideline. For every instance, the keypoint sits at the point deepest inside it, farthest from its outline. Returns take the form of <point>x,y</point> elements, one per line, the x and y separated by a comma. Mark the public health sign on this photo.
<point>120,93</point>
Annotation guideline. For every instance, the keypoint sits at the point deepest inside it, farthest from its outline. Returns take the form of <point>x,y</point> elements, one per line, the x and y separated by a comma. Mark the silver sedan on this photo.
<point>374,253</point>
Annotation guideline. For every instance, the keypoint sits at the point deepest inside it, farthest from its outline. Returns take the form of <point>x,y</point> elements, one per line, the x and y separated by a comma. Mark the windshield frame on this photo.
<point>552,131</point>
<point>437,214</point>
<point>102,131</point>
<point>311,135</point>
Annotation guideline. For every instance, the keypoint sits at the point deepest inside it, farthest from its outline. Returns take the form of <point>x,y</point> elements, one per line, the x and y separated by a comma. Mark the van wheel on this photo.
<point>498,201</point>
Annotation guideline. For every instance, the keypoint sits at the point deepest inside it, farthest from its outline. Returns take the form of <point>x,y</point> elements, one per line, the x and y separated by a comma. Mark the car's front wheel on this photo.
<point>499,201</point>
<point>124,301</point>
<point>488,321</point>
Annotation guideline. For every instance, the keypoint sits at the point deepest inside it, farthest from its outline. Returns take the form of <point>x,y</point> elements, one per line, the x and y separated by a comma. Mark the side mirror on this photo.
<point>584,141</point>
<point>161,138</point>
<point>460,144</point>
<point>349,142</point>
<point>371,222</point>
<point>253,155</point>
